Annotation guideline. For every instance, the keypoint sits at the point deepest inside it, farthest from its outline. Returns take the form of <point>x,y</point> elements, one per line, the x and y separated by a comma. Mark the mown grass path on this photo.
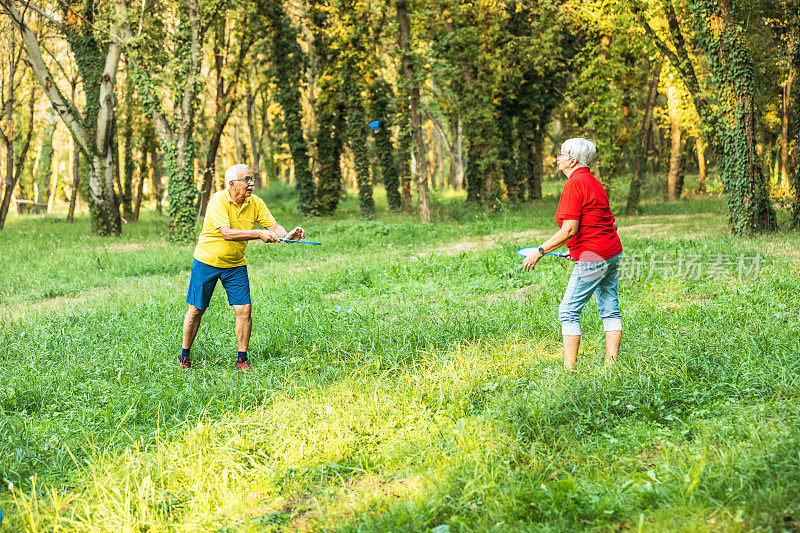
<point>407,378</point>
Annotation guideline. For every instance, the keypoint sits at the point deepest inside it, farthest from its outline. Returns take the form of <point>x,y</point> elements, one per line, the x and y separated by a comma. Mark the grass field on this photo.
<point>407,378</point>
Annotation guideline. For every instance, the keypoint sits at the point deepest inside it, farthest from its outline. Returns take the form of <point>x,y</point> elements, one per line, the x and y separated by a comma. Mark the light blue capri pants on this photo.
<point>587,278</point>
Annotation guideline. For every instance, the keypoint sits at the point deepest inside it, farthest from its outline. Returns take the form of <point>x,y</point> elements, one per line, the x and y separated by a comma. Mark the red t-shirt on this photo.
<point>584,199</point>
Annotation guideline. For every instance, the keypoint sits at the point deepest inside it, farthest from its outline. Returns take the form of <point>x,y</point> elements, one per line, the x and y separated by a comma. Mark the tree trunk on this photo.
<point>44,164</point>
<point>329,152</point>
<point>52,190</point>
<point>401,7</point>
<point>157,175</point>
<point>786,185</point>
<point>146,147</point>
<point>270,167</point>
<point>404,157</point>
<point>383,143</point>
<point>700,146</point>
<point>255,145</point>
<point>356,131</point>
<point>128,166</point>
<point>674,104</point>
<point>75,163</point>
<point>459,156</point>
<point>681,171</point>
<point>537,166</point>
<point>288,68</point>
<point>8,138</point>
<point>515,185</point>
<point>642,147</point>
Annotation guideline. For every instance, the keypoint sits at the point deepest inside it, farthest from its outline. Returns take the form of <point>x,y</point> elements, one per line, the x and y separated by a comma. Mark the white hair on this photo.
<point>580,149</point>
<point>233,173</point>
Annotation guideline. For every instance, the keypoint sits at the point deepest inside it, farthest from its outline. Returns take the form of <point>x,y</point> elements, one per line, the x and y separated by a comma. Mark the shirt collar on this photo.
<point>580,170</point>
<point>228,196</point>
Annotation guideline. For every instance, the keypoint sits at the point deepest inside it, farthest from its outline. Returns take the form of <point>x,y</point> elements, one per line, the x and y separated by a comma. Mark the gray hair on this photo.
<point>580,149</point>
<point>233,173</point>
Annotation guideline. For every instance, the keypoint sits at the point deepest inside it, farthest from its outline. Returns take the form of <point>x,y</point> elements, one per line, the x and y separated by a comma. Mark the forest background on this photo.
<point>119,105</point>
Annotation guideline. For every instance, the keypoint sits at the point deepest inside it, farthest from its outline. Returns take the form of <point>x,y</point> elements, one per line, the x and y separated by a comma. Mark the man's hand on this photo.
<point>296,234</point>
<point>530,261</point>
<point>268,236</point>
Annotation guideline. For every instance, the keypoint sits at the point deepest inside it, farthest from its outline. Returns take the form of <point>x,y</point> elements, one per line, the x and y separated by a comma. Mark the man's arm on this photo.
<point>265,235</point>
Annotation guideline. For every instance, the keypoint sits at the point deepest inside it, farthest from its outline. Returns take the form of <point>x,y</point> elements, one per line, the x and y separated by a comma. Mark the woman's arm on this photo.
<point>569,228</point>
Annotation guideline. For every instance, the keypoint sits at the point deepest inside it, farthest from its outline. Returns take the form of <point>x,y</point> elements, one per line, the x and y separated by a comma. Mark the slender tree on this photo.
<point>127,143</point>
<point>676,154</point>
<point>44,164</point>
<point>227,96</point>
<point>97,62</point>
<point>415,120</point>
<point>14,166</point>
<point>639,157</point>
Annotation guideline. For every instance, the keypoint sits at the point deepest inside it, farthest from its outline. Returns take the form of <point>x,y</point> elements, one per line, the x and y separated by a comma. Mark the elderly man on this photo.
<point>589,230</point>
<point>219,255</point>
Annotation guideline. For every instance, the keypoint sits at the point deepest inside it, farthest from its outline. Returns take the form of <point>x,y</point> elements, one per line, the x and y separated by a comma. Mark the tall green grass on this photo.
<point>407,378</point>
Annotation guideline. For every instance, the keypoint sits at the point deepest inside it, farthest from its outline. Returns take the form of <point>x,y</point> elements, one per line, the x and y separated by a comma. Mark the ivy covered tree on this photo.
<point>173,114</point>
<point>330,110</point>
<point>719,32</point>
<point>730,125</point>
<point>410,71</point>
<point>379,95</point>
<point>288,67</point>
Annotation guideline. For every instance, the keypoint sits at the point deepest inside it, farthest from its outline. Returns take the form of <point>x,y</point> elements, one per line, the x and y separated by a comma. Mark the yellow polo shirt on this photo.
<point>212,248</point>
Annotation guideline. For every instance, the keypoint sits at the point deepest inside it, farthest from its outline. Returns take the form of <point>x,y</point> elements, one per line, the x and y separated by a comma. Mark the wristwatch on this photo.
<point>541,250</point>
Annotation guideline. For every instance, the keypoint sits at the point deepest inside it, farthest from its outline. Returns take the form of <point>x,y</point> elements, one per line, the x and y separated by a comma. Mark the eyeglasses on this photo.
<point>247,179</point>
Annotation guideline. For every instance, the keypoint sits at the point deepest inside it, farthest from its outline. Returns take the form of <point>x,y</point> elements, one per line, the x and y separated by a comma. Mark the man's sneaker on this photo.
<point>184,363</point>
<point>244,366</point>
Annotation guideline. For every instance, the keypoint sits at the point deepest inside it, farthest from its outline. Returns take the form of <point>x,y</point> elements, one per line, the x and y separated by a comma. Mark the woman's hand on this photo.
<point>530,262</point>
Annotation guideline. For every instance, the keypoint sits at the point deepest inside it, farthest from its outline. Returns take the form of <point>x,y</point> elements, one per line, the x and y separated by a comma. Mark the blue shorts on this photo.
<point>204,279</point>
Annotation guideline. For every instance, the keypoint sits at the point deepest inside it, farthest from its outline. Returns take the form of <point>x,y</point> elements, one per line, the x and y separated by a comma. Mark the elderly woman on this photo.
<point>590,232</point>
